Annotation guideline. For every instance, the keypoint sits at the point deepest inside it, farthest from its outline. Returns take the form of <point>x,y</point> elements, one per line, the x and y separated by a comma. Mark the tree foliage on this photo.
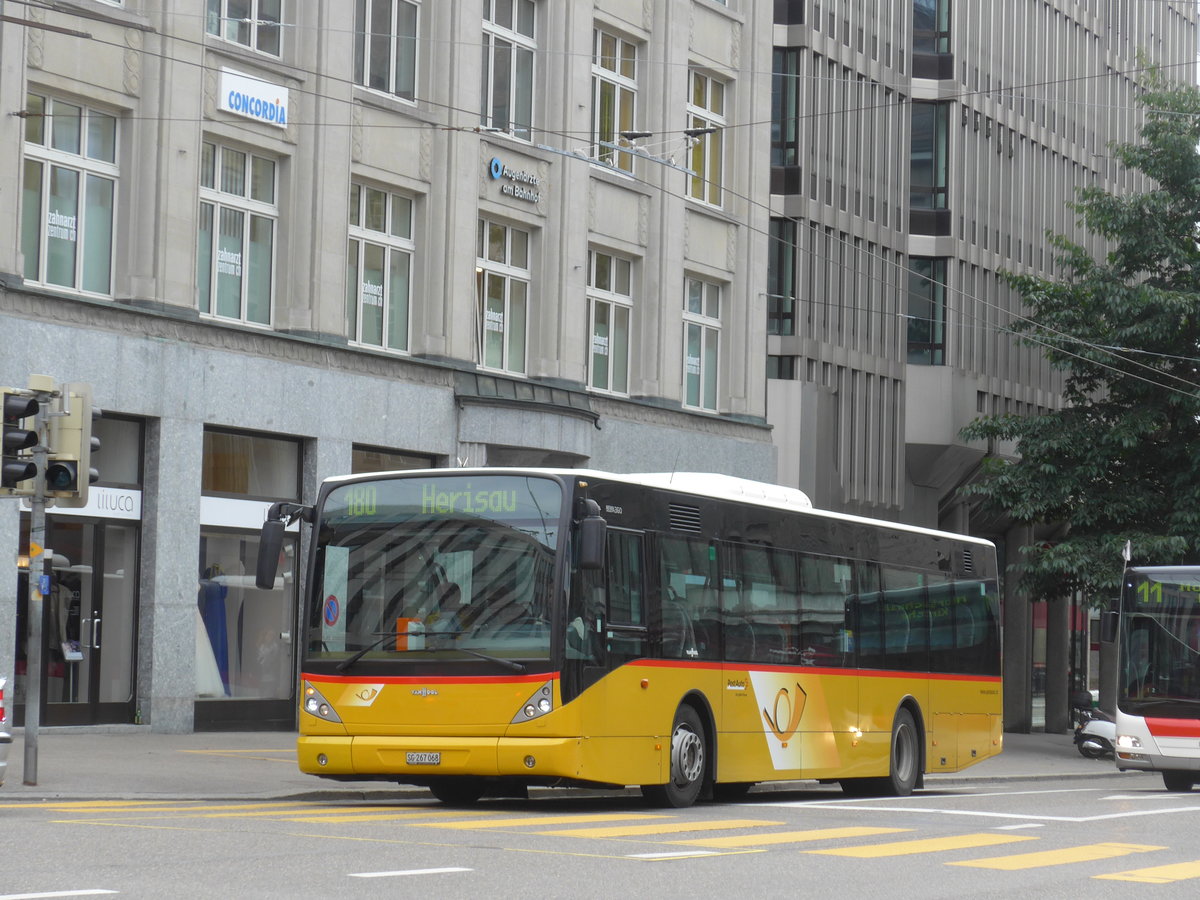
<point>1121,460</point>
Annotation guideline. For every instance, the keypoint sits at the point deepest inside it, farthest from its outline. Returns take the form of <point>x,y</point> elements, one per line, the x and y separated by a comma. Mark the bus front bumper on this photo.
<point>1158,754</point>
<point>414,759</point>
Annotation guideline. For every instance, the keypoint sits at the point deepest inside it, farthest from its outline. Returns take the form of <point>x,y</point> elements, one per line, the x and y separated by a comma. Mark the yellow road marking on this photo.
<point>548,820</point>
<point>660,828</point>
<point>378,816</point>
<point>1158,874</point>
<point>80,804</point>
<point>926,845</point>
<point>788,837</point>
<point>1085,853</point>
<point>198,807</point>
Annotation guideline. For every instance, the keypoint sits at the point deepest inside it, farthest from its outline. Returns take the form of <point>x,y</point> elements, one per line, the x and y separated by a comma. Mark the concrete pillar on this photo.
<point>1018,642</point>
<point>170,571</point>
<point>1058,658</point>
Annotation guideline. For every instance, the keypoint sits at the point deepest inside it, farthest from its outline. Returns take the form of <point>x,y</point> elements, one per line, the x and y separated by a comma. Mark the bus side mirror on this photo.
<point>269,544</point>
<point>592,529</point>
<point>1108,626</point>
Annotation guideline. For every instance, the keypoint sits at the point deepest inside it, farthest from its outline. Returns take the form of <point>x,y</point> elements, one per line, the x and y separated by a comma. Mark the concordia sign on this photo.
<point>258,100</point>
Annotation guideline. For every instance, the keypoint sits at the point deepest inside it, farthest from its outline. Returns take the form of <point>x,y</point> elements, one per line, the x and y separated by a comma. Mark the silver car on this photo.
<point>5,736</point>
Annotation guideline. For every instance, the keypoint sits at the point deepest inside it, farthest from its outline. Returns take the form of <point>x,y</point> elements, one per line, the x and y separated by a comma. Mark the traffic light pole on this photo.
<point>40,570</point>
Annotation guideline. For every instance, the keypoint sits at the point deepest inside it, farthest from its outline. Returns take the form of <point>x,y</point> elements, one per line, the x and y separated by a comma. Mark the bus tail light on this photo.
<point>316,705</point>
<point>538,705</point>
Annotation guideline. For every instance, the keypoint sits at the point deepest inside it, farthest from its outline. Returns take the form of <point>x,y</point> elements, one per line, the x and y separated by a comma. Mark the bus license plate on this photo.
<point>424,759</point>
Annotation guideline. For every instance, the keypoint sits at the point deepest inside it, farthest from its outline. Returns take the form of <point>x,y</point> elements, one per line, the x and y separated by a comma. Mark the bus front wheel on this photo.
<point>1179,781</point>
<point>689,762</point>
<point>905,756</point>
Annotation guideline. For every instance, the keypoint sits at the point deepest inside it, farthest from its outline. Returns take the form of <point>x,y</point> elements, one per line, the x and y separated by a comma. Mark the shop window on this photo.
<point>364,460</point>
<point>250,466</point>
<point>68,195</point>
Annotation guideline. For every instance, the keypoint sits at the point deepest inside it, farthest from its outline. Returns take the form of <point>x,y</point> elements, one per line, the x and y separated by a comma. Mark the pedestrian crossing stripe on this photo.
<point>1084,853</point>
<point>376,815</point>
<point>527,821</point>
<point>659,828</point>
<point>1158,874</point>
<point>925,845</point>
<point>787,837</point>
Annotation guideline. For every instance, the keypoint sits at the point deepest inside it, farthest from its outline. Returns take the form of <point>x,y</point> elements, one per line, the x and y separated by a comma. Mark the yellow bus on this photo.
<point>487,630</point>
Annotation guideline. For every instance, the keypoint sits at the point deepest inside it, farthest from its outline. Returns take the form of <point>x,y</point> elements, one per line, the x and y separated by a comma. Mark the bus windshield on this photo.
<point>1160,646</point>
<point>435,567</point>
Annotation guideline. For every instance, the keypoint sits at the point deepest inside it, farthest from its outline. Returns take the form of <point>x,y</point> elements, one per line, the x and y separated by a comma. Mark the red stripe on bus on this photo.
<point>1174,727</point>
<point>431,679</point>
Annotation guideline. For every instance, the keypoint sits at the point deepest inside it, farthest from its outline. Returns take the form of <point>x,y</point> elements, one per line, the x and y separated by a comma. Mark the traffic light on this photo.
<point>17,469</point>
<point>69,463</point>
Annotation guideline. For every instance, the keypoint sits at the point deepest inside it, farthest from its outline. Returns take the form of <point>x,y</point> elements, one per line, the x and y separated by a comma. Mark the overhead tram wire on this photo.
<point>900,101</point>
<point>904,272</point>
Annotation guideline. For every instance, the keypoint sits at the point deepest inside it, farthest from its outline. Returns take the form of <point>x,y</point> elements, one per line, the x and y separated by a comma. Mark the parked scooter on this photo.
<point>1096,732</point>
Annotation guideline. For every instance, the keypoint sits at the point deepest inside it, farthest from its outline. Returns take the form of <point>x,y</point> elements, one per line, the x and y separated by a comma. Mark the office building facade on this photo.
<point>919,150</point>
<point>286,239</point>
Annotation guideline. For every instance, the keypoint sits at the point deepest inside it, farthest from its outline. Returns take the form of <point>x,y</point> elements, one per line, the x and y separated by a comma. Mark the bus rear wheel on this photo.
<point>689,763</point>
<point>904,764</point>
<point>458,791</point>
<point>1179,781</point>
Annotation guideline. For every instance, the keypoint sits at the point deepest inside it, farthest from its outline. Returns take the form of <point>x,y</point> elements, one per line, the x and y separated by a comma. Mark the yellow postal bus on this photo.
<point>480,630</point>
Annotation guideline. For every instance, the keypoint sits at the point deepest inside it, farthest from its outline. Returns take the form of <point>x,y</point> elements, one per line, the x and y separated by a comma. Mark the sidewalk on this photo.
<point>141,765</point>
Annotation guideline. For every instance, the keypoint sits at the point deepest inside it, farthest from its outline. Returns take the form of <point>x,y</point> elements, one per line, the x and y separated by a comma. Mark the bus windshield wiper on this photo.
<point>384,636</point>
<point>383,639</point>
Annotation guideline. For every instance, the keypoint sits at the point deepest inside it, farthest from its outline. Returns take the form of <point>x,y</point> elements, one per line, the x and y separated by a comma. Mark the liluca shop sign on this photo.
<point>258,100</point>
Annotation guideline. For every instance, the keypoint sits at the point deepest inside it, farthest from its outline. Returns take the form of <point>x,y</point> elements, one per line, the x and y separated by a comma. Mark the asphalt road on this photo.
<point>1103,836</point>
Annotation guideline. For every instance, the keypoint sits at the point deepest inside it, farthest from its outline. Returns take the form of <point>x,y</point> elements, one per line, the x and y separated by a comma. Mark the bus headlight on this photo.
<point>1128,742</point>
<point>539,704</point>
<point>316,705</point>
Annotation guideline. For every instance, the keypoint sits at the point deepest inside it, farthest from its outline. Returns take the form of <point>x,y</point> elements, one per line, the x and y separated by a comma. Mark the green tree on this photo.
<point>1121,461</point>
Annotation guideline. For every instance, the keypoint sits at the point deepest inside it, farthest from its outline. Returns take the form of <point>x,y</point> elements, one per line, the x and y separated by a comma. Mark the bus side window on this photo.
<point>825,638</point>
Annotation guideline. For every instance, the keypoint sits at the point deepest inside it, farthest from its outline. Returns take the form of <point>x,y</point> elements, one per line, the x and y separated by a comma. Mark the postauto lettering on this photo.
<point>257,107</point>
<point>438,502</point>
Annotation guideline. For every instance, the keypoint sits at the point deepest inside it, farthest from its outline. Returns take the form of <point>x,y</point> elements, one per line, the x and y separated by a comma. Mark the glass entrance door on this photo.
<point>89,624</point>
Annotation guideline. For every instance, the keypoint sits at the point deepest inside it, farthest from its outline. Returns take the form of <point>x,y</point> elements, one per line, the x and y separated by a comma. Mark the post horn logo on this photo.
<point>793,710</point>
<point>367,694</point>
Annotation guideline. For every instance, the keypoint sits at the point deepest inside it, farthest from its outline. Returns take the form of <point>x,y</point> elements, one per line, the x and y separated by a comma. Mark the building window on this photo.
<point>930,155</point>
<point>502,270</point>
<point>614,89</point>
<point>782,368</point>
<point>706,118</point>
<point>701,343</point>
<point>927,311</point>
<point>508,50</point>
<point>250,466</point>
<point>379,268</point>
<point>610,301</point>
<point>68,196</point>
<point>781,277</point>
<point>785,107</point>
<point>385,46</point>
<point>366,460</point>
<point>251,23</point>
<point>931,26</point>
<point>236,255</point>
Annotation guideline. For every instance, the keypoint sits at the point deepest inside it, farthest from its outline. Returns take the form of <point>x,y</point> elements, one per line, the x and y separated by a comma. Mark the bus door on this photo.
<point>607,619</point>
